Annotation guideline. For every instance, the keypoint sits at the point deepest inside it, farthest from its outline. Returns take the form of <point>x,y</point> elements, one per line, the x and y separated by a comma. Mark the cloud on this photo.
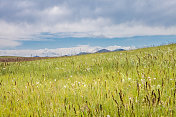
<point>21,20</point>
<point>150,12</point>
<point>59,51</point>
<point>8,43</point>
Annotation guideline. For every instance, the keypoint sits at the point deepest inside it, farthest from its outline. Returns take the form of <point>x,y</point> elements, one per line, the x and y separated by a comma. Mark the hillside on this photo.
<point>127,83</point>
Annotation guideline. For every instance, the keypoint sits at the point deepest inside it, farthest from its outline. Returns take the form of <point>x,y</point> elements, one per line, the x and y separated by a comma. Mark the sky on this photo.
<point>33,25</point>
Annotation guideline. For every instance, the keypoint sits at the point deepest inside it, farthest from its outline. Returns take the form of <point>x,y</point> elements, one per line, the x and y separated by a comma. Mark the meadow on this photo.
<point>138,82</point>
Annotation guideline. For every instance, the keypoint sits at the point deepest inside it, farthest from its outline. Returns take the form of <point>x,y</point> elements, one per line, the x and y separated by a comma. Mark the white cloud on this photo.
<point>56,10</point>
<point>111,48</point>
<point>58,51</point>
<point>8,43</point>
<point>13,33</point>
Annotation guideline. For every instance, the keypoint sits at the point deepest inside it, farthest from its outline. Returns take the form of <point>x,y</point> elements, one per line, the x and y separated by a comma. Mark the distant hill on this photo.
<point>103,50</point>
<point>83,53</point>
<point>118,50</point>
<point>36,56</point>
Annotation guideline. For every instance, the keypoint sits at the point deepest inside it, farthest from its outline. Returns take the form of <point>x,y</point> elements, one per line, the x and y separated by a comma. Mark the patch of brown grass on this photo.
<point>20,59</point>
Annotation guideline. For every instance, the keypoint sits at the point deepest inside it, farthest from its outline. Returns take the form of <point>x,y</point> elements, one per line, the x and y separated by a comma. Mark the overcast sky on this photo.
<point>39,20</point>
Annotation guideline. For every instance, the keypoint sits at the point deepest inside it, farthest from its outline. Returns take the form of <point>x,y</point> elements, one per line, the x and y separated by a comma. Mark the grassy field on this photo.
<point>130,83</point>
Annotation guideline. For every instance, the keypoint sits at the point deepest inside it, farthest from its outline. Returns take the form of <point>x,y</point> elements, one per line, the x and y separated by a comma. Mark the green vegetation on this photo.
<point>131,83</point>
<point>8,56</point>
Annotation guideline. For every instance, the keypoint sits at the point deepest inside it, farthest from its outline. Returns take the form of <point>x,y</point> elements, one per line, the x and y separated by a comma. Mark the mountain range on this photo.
<point>101,51</point>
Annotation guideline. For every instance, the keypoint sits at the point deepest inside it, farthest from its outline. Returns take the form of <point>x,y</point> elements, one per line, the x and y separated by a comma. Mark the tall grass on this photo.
<point>130,83</point>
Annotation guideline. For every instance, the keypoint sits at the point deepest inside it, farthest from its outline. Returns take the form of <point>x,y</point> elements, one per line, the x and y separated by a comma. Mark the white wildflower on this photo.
<point>158,86</point>
<point>73,84</point>
<point>136,100</point>
<point>143,81</point>
<point>123,80</point>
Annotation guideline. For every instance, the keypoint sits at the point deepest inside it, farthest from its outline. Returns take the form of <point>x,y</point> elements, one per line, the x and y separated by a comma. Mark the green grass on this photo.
<point>131,83</point>
<point>8,56</point>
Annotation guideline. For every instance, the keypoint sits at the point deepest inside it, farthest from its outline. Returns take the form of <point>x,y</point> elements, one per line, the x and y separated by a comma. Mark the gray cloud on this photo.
<point>148,12</point>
